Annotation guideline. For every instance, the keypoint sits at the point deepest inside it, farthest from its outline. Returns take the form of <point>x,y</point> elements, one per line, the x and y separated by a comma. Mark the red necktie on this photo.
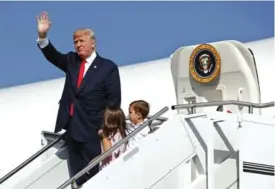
<point>79,80</point>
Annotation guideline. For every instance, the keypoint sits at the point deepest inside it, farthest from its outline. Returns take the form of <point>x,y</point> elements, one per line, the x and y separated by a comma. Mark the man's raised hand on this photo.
<point>43,25</point>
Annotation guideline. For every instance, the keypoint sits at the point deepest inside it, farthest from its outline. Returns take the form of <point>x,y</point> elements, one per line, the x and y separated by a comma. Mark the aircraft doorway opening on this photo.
<point>209,95</point>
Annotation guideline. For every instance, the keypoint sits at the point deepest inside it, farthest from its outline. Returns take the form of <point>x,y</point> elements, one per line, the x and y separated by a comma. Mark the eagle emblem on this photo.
<point>205,63</point>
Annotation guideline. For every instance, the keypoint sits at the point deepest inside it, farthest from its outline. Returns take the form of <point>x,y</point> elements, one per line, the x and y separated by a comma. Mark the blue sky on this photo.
<point>127,32</point>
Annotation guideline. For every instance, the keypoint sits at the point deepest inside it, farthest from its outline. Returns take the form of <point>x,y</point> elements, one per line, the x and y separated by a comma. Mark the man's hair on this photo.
<point>142,107</point>
<point>84,31</point>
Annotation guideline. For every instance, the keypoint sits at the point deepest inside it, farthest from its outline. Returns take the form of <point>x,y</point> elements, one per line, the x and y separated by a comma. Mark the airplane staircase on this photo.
<point>53,157</point>
<point>212,150</point>
<point>220,147</point>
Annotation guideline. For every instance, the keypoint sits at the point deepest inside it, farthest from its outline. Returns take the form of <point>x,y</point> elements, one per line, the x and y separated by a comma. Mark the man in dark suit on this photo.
<point>92,84</point>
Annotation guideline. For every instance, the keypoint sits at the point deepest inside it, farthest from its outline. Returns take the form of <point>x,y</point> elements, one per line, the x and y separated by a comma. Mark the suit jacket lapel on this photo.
<point>93,67</point>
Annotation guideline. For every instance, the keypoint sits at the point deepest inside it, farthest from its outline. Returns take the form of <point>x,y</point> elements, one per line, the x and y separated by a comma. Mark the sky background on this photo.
<point>126,32</point>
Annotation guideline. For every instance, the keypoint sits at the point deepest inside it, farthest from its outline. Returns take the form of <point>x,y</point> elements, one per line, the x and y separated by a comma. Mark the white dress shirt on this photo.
<point>139,136</point>
<point>44,42</point>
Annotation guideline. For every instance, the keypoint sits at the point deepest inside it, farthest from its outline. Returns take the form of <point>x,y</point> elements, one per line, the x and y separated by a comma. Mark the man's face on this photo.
<point>84,45</point>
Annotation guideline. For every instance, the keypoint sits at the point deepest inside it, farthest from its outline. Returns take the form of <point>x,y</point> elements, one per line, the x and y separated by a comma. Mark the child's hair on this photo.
<point>142,107</point>
<point>114,116</point>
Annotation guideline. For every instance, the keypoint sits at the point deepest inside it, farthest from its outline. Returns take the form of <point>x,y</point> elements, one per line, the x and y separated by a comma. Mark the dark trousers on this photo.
<point>80,155</point>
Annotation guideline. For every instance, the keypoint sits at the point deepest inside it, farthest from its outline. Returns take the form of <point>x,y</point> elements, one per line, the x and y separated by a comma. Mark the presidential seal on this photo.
<point>205,63</point>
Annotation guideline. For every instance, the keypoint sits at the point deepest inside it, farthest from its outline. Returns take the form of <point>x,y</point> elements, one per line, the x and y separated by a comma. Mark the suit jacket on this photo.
<point>99,89</point>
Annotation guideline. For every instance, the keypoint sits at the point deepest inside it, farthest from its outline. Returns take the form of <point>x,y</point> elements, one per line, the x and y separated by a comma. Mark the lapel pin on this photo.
<point>95,67</point>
